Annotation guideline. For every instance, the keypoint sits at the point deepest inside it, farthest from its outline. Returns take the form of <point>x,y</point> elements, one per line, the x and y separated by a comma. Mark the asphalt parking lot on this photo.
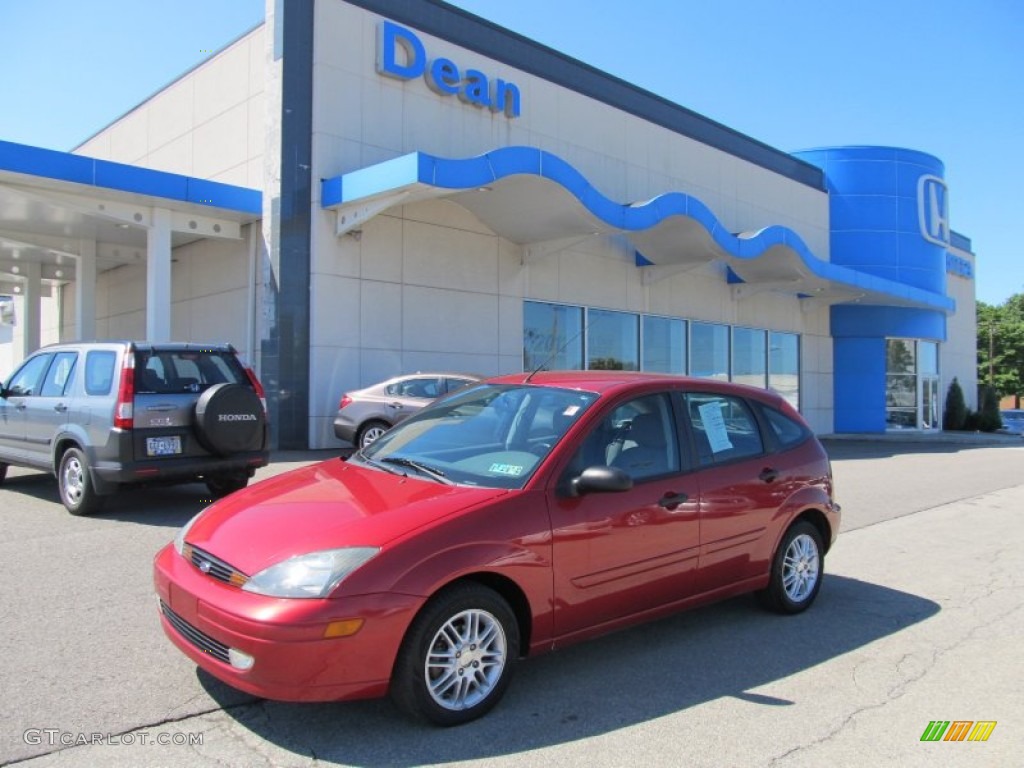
<point>919,620</point>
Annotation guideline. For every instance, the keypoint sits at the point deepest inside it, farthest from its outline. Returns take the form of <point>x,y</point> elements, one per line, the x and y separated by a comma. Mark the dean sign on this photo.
<point>400,54</point>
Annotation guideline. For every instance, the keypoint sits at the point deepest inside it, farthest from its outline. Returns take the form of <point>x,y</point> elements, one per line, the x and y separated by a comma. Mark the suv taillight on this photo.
<point>345,400</point>
<point>260,393</point>
<point>124,410</point>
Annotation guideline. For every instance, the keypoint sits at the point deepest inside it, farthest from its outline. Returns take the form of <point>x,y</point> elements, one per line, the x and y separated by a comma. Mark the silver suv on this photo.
<point>104,414</point>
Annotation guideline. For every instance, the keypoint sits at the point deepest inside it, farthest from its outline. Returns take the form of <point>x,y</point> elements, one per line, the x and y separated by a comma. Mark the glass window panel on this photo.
<point>900,391</point>
<point>749,360</point>
<point>664,345</point>
<point>784,366</point>
<point>927,357</point>
<point>900,356</point>
<point>552,337</point>
<point>613,340</point>
<point>709,351</point>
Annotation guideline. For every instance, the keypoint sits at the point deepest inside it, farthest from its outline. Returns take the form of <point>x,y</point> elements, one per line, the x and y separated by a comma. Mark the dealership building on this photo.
<point>356,189</point>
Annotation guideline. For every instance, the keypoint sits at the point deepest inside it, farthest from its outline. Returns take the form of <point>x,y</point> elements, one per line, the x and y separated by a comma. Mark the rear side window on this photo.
<point>724,428</point>
<point>99,371</point>
<point>787,431</point>
<point>165,372</point>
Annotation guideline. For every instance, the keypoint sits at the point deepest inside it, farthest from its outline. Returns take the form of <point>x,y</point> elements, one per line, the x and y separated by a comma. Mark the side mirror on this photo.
<point>600,479</point>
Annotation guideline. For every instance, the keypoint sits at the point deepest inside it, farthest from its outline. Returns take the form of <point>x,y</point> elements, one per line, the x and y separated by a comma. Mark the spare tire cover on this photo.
<point>230,419</point>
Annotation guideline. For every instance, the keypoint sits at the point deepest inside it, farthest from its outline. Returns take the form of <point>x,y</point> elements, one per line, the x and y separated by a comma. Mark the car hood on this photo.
<point>324,506</point>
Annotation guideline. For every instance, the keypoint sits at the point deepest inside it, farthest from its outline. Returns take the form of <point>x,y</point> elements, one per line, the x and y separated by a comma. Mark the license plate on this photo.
<point>163,446</point>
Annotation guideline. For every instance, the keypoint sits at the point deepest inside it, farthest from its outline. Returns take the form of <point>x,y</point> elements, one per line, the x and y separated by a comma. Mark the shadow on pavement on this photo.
<point>622,680</point>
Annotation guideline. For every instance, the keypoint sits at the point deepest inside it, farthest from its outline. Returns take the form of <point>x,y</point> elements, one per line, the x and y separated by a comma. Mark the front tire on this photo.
<point>457,657</point>
<point>77,491</point>
<point>797,570</point>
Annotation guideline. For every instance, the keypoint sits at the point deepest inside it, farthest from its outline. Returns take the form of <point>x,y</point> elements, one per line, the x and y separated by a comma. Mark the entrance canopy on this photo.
<point>65,218</point>
<point>538,200</point>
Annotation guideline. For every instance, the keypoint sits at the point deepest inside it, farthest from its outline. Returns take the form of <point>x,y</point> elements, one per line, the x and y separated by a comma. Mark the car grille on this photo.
<point>213,566</point>
<point>199,639</point>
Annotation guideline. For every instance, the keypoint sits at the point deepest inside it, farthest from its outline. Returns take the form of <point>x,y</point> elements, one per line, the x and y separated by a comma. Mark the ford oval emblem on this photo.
<point>205,565</point>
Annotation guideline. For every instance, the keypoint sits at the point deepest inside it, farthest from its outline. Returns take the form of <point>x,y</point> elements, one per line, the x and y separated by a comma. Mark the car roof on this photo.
<point>601,382</point>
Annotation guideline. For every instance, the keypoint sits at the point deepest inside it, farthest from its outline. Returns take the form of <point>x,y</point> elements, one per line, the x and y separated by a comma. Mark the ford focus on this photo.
<point>509,518</point>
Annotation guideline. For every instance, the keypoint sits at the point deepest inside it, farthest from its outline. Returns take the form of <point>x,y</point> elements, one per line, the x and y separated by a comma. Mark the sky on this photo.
<point>941,76</point>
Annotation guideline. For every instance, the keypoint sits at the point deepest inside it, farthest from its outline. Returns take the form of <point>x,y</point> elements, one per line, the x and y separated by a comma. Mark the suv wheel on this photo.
<point>229,482</point>
<point>75,484</point>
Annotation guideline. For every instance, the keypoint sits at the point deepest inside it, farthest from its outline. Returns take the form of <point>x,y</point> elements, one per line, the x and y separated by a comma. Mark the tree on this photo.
<point>989,419</point>
<point>955,415</point>
<point>1001,346</point>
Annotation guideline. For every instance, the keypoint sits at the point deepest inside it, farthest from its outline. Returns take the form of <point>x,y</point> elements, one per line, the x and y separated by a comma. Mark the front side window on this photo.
<point>27,381</point>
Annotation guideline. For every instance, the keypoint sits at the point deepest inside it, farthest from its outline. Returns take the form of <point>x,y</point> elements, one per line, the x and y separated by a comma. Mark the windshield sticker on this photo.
<point>572,410</point>
<point>714,426</point>
<point>512,470</point>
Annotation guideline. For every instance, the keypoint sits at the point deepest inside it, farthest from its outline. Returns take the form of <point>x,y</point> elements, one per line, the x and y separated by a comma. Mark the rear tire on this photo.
<point>77,492</point>
<point>370,431</point>
<point>222,485</point>
<point>797,570</point>
<point>457,657</point>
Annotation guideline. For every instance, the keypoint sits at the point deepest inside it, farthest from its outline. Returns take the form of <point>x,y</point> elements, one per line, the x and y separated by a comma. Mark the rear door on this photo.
<point>741,487</point>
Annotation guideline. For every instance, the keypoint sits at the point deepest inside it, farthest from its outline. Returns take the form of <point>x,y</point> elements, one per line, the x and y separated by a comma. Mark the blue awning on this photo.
<point>530,196</point>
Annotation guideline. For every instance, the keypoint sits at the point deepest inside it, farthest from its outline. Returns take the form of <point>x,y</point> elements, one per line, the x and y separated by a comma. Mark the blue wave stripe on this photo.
<point>484,170</point>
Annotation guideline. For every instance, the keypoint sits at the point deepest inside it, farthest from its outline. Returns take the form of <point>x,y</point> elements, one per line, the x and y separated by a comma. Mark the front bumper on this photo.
<point>293,661</point>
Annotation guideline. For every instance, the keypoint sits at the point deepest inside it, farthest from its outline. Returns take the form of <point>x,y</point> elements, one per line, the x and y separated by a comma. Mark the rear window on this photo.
<point>165,372</point>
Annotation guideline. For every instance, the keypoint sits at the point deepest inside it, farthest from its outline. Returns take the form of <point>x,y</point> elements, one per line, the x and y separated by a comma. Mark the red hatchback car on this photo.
<point>511,517</point>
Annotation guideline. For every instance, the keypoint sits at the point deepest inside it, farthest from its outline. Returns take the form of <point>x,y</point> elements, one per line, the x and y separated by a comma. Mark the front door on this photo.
<point>617,554</point>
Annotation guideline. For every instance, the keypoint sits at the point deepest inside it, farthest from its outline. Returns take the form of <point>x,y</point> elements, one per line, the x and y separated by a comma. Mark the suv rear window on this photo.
<point>165,372</point>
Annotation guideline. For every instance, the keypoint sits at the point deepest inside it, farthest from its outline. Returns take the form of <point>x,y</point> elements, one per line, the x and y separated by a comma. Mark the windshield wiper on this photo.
<point>360,456</point>
<point>419,466</point>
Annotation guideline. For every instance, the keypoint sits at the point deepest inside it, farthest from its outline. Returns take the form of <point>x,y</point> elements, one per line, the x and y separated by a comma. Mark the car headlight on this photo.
<point>179,540</point>
<point>312,575</point>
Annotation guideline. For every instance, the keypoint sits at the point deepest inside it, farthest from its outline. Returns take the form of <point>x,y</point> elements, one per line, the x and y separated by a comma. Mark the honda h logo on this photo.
<point>933,209</point>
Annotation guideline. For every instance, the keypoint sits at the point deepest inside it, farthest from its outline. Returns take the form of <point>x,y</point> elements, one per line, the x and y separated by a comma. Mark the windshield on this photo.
<point>493,436</point>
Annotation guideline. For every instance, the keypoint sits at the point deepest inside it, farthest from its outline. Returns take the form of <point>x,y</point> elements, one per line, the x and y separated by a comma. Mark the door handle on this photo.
<point>21,406</point>
<point>768,474</point>
<point>671,500</point>
<point>60,408</point>
<point>394,406</point>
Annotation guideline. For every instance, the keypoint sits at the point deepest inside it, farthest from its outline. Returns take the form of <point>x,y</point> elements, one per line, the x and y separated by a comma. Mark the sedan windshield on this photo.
<point>493,436</point>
